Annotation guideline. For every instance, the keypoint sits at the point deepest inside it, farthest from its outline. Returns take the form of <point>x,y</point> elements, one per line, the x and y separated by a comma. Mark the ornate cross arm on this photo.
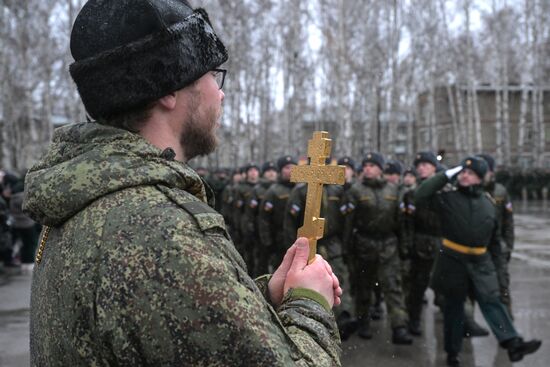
<point>316,175</point>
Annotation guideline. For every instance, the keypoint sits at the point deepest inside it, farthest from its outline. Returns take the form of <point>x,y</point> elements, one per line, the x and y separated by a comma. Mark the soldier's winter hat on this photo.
<point>476,164</point>
<point>347,161</point>
<point>250,166</point>
<point>489,159</point>
<point>428,157</point>
<point>267,166</point>
<point>374,158</point>
<point>284,160</point>
<point>393,167</point>
<point>410,171</point>
<point>132,52</point>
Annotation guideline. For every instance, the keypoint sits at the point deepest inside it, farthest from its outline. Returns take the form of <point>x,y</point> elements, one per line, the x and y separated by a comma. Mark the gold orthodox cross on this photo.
<point>316,175</point>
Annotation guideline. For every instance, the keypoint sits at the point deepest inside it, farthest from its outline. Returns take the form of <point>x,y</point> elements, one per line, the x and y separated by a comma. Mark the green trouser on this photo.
<point>422,260</point>
<point>503,275</point>
<point>455,275</point>
<point>377,259</point>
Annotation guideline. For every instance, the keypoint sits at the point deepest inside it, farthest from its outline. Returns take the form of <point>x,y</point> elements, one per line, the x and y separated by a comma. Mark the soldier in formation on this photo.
<point>372,234</point>
<point>249,221</point>
<point>272,212</point>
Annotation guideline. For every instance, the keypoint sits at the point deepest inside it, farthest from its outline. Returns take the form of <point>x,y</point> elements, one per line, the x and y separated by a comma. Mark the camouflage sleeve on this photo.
<point>507,230</point>
<point>247,218</point>
<point>265,218</point>
<point>406,226</point>
<point>293,210</point>
<point>350,201</point>
<point>237,210</point>
<point>171,293</point>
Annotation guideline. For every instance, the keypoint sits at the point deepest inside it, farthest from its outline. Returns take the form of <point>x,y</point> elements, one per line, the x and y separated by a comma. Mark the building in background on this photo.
<point>515,128</point>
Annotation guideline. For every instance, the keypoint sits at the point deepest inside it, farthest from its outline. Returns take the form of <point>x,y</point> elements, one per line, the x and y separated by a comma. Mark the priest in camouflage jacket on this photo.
<point>134,268</point>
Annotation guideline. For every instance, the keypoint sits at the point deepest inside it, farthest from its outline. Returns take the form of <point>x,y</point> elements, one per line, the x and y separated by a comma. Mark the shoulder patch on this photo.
<point>197,207</point>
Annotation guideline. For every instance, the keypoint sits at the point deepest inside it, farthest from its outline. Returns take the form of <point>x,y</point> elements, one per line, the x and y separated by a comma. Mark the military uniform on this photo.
<point>501,258</point>
<point>137,270</point>
<point>217,185</point>
<point>424,229</point>
<point>249,226</point>
<point>468,226</point>
<point>270,222</point>
<point>371,231</point>
<point>243,193</point>
<point>330,246</point>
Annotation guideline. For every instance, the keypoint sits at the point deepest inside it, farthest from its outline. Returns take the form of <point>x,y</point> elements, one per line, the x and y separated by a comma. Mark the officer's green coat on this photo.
<point>138,271</point>
<point>467,218</point>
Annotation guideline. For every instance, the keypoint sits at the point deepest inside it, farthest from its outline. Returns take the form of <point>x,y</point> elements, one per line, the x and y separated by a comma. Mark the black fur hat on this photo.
<point>132,52</point>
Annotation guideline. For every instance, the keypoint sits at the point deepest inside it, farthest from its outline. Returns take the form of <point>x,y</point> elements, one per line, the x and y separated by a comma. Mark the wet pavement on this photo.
<point>530,288</point>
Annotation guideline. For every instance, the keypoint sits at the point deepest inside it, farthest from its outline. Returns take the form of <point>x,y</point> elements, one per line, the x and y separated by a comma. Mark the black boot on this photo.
<point>518,348</point>
<point>364,329</point>
<point>453,360</point>
<point>401,336</point>
<point>473,329</point>
<point>347,325</point>
<point>415,327</point>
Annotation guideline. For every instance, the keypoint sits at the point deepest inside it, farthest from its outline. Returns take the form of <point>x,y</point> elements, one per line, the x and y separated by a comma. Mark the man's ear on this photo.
<point>168,101</point>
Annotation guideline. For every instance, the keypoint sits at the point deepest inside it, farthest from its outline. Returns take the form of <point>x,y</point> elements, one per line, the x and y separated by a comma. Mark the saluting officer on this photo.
<point>505,219</point>
<point>468,227</point>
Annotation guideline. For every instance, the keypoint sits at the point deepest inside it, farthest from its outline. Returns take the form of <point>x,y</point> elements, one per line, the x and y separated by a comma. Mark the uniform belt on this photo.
<point>464,249</point>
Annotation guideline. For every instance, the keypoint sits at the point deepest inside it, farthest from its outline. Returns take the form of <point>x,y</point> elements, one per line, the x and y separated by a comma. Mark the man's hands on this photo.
<point>294,272</point>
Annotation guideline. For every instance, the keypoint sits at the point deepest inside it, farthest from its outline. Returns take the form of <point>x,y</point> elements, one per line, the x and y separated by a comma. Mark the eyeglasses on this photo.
<point>219,75</point>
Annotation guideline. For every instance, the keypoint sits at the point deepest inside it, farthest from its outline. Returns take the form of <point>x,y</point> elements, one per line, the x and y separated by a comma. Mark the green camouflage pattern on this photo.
<point>330,246</point>
<point>372,226</point>
<point>250,229</point>
<point>138,271</point>
<point>270,222</point>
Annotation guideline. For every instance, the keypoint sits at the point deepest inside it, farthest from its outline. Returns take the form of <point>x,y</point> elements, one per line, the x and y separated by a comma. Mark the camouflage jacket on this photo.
<point>138,271</point>
<point>504,213</point>
<point>271,216</point>
<point>332,209</point>
<point>372,209</point>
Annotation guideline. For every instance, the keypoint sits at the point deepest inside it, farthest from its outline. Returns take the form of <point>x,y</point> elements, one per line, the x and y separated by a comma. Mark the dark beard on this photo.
<point>198,137</point>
